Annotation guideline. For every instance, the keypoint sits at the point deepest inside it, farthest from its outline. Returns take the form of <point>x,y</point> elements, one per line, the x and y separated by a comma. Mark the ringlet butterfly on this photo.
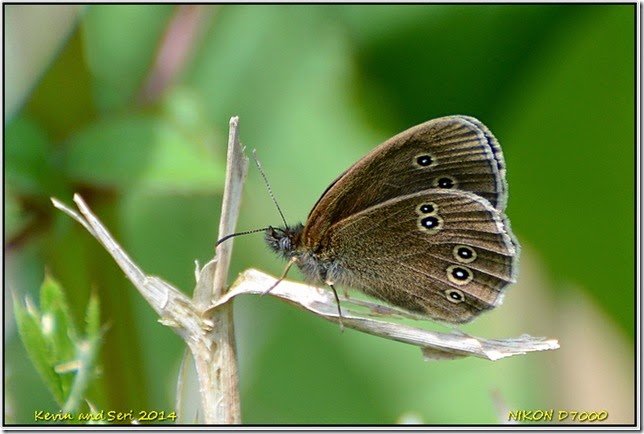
<point>418,222</point>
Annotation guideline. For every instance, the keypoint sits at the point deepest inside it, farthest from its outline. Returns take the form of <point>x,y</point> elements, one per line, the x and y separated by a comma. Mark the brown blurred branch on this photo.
<point>175,49</point>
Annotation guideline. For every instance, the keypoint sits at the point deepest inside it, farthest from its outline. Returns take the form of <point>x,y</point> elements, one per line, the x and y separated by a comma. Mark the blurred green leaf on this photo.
<point>120,43</point>
<point>571,149</point>
<point>62,102</point>
<point>26,59</point>
<point>29,163</point>
<point>456,59</point>
<point>93,317</point>
<point>141,151</point>
<point>15,217</point>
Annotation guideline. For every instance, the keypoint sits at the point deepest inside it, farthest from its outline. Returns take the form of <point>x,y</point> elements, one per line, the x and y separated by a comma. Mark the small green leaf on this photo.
<point>63,358</point>
<point>57,324</point>
<point>30,328</point>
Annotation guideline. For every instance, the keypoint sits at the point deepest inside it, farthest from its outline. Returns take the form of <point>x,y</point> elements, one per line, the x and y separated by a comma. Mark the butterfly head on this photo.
<point>283,240</point>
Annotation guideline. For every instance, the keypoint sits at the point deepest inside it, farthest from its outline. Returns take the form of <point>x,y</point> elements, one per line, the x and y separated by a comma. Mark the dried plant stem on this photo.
<point>207,331</point>
<point>217,368</point>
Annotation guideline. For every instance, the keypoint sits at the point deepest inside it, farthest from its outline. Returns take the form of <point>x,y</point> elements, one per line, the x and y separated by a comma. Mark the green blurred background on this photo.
<point>129,106</point>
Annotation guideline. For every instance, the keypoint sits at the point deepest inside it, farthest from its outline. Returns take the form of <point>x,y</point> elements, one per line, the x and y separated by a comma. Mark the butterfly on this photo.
<point>418,222</point>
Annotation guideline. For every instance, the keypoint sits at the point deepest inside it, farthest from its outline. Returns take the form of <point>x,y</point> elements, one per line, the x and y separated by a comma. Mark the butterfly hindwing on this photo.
<point>447,254</point>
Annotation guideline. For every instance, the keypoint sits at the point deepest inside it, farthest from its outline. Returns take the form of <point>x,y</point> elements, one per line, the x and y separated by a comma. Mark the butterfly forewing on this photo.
<point>452,153</point>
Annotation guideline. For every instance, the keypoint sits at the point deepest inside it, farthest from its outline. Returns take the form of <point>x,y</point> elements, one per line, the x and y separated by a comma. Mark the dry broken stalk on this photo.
<point>218,367</point>
<point>208,333</point>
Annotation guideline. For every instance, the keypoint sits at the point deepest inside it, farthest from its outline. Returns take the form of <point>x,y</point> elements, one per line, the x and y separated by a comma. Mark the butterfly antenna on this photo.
<point>268,187</point>
<point>239,233</point>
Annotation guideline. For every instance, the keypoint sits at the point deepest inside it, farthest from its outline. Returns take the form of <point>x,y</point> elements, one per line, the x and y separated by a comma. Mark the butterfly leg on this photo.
<point>288,267</point>
<point>337,300</point>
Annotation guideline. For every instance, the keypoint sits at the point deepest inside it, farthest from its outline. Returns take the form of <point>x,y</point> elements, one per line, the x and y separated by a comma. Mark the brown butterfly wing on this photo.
<point>445,253</point>
<point>455,152</point>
